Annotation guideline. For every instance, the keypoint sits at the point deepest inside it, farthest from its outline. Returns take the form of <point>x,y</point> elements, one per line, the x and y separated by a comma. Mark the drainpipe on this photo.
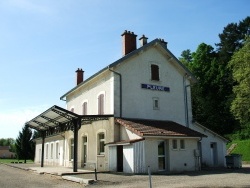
<point>185,99</point>
<point>120,76</point>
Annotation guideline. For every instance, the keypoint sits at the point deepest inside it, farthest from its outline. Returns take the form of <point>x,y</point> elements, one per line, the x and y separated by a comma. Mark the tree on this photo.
<point>206,97</point>
<point>24,144</point>
<point>240,65</point>
<point>8,142</point>
<point>186,57</point>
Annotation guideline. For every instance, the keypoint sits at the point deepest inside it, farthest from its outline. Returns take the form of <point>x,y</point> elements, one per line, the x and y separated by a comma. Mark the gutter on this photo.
<point>120,76</point>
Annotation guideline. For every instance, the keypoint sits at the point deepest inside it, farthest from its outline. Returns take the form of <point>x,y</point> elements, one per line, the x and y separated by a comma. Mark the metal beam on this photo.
<point>51,120</point>
<point>65,115</point>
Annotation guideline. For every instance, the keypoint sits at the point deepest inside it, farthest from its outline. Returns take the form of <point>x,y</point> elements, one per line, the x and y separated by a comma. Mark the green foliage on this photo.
<point>213,95</point>
<point>8,142</point>
<point>243,148</point>
<point>242,134</point>
<point>240,64</point>
<point>25,148</point>
<point>186,57</point>
<point>7,161</point>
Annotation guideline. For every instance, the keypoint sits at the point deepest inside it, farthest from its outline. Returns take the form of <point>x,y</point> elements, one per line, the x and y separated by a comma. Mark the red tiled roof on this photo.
<point>143,127</point>
<point>123,142</point>
<point>5,148</point>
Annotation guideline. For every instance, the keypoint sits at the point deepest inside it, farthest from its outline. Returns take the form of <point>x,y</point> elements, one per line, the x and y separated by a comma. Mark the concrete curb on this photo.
<point>78,180</point>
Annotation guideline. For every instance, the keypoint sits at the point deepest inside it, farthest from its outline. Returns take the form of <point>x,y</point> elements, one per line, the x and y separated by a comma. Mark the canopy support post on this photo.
<point>77,125</point>
<point>43,139</point>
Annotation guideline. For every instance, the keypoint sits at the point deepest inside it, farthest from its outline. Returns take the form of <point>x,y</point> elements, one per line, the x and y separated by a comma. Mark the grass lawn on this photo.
<point>243,148</point>
<point>15,161</point>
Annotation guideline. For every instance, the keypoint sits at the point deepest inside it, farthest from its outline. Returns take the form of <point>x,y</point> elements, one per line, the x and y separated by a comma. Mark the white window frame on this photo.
<point>182,144</point>
<point>162,156</point>
<point>51,150</point>
<point>57,150</point>
<point>101,140</point>
<point>156,103</point>
<point>174,143</point>
<point>71,153</point>
<point>47,151</point>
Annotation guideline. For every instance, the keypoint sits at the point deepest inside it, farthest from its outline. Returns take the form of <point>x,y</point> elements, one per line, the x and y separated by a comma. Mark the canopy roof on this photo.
<point>51,118</point>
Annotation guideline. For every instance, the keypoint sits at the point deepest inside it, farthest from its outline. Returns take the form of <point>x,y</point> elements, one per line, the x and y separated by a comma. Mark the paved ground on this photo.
<point>14,177</point>
<point>227,178</point>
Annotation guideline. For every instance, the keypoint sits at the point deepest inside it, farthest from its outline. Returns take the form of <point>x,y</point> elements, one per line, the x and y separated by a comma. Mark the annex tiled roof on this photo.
<point>143,127</point>
<point>124,142</point>
<point>4,148</point>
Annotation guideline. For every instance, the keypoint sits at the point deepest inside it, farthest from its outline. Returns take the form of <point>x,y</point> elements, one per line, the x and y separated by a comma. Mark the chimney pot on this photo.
<point>163,42</point>
<point>79,76</point>
<point>143,40</point>
<point>128,42</point>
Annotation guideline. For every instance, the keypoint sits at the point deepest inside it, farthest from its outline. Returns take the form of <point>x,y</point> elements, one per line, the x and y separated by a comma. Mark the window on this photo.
<point>101,138</point>
<point>47,151</point>
<point>101,104</point>
<point>161,155</point>
<point>174,144</point>
<point>182,144</point>
<point>85,143</point>
<point>156,103</point>
<point>84,108</point>
<point>71,149</point>
<point>57,150</point>
<point>51,151</point>
<point>155,72</point>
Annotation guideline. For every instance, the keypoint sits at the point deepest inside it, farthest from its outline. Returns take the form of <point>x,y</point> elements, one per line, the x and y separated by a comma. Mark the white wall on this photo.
<point>175,160</point>
<point>128,159</point>
<point>138,102</point>
<point>207,156</point>
<point>183,160</point>
<point>48,158</point>
<point>89,93</point>
<point>126,134</point>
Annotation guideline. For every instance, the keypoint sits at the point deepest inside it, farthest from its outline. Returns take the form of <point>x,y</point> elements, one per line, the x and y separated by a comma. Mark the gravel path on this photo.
<point>209,178</point>
<point>14,177</point>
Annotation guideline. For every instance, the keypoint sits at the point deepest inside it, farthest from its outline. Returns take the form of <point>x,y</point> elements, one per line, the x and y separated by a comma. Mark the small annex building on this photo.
<point>134,113</point>
<point>6,153</point>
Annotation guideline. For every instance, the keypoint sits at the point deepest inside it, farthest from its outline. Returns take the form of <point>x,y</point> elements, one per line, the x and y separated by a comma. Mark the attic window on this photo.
<point>155,72</point>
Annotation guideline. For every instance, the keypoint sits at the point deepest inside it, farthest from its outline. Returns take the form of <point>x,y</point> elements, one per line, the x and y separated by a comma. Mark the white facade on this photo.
<point>130,90</point>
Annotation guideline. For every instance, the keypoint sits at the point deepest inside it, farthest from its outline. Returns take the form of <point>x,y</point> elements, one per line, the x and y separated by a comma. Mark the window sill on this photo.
<point>100,155</point>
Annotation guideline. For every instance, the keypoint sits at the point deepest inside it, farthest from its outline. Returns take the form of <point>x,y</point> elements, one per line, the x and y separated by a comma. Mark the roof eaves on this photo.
<point>198,124</point>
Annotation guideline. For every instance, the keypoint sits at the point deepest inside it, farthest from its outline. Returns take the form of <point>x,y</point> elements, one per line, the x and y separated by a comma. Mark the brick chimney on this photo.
<point>128,42</point>
<point>143,40</point>
<point>79,76</point>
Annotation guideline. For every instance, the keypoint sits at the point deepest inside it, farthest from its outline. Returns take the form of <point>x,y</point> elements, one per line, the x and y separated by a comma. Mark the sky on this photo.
<point>42,43</point>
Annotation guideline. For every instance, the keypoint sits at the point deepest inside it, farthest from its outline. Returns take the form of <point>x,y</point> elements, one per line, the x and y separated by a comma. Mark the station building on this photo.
<point>134,113</point>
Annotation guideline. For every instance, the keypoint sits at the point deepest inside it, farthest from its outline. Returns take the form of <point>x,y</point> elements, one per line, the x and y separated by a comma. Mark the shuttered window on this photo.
<point>155,72</point>
<point>84,108</point>
<point>101,104</point>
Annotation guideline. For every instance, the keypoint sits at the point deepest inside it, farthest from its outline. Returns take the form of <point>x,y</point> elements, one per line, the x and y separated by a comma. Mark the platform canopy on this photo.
<point>52,118</point>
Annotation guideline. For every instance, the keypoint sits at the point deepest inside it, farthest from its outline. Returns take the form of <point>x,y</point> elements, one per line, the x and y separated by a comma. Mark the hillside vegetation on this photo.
<point>243,148</point>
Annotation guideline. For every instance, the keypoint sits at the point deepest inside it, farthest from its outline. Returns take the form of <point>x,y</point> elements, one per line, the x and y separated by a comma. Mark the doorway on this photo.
<point>214,154</point>
<point>119,158</point>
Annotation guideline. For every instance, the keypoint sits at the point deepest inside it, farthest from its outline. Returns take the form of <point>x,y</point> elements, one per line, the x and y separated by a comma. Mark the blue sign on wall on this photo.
<point>155,87</point>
